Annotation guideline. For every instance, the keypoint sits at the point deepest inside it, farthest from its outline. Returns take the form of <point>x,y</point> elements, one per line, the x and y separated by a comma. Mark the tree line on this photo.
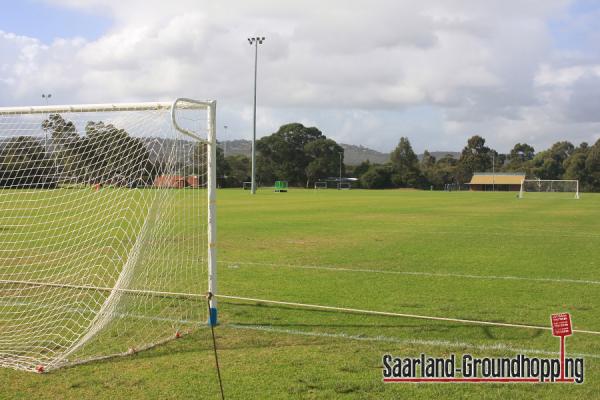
<point>301,155</point>
<point>562,160</point>
<point>104,155</point>
<point>295,153</point>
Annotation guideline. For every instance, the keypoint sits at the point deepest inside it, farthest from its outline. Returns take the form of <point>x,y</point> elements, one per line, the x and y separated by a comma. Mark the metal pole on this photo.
<point>212,212</point>
<point>254,41</point>
<point>225,141</point>
<point>340,181</point>
<point>493,172</point>
<point>211,215</point>
<point>253,187</point>
<point>47,98</point>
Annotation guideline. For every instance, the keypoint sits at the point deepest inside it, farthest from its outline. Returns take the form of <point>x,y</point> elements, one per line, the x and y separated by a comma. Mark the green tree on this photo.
<point>239,170</point>
<point>24,164</point>
<point>475,157</point>
<point>550,164</point>
<point>63,144</point>
<point>405,165</point>
<point>377,177</point>
<point>427,166</point>
<point>61,130</point>
<point>445,171</point>
<point>200,160</point>
<point>592,166</point>
<point>109,155</point>
<point>283,154</point>
<point>324,155</point>
<point>361,168</point>
<point>521,153</point>
<point>574,165</point>
<point>520,158</point>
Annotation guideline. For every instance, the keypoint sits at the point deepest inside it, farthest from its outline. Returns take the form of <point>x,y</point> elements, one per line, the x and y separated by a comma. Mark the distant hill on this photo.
<point>236,147</point>
<point>442,154</point>
<point>353,155</point>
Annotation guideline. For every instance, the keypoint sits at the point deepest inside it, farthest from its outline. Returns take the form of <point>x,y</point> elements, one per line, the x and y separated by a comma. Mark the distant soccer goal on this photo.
<point>557,187</point>
<point>344,185</point>
<point>100,254</point>
<point>247,185</point>
<point>320,185</point>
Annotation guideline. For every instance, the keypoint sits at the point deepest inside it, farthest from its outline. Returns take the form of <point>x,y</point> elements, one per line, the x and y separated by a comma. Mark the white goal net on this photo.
<point>555,187</point>
<point>105,225</point>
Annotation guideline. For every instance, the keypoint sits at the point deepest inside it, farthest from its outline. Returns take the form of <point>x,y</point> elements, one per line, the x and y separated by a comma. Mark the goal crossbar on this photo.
<point>141,106</point>
<point>548,186</point>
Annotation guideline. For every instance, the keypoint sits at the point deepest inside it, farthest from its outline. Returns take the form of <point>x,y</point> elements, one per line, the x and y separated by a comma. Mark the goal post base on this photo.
<point>212,317</point>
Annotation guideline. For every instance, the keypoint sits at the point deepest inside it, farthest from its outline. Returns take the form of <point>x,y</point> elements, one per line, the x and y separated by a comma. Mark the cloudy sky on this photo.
<point>364,72</point>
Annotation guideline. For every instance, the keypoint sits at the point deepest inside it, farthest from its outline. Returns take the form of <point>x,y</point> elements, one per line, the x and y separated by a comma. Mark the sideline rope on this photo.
<point>393,314</point>
<point>209,296</point>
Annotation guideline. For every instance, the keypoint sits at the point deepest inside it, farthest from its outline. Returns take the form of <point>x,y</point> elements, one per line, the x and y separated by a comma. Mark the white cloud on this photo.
<point>359,68</point>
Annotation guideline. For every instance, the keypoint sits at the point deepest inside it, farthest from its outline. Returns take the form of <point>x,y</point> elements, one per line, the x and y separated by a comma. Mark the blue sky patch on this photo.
<point>46,22</point>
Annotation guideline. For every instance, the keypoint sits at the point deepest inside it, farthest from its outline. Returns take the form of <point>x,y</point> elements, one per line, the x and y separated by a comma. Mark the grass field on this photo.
<point>479,256</point>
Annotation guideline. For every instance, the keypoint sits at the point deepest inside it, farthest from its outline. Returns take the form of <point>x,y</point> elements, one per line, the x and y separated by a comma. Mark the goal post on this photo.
<point>565,187</point>
<point>107,229</point>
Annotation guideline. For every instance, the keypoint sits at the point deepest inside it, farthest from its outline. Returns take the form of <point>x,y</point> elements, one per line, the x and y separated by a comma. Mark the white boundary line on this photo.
<point>417,273</point>
<point>394,314</point>
<point>543,233</point>
<point>419,342</point>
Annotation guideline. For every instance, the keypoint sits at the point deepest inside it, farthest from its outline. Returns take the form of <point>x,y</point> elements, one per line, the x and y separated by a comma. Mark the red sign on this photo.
<point>561,325</point>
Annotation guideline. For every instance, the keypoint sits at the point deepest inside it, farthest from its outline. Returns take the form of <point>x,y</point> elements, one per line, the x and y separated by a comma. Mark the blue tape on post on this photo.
<point>212,318</point>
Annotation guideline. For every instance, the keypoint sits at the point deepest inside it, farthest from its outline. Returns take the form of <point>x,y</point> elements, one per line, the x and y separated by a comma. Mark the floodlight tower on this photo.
<point>340,181</point>
<point>46,96</point>
<point>493,172</point>
<point>254,41</point>
<point>225,141</point>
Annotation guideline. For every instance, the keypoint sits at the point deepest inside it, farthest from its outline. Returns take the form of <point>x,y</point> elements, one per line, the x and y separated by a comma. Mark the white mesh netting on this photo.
<point>103,231</point>
<point>545,188</point>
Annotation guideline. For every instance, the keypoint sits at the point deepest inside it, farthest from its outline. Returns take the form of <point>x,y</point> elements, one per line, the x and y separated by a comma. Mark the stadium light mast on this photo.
<point>46,96</point>
<point>340,182</point>
<point>224,141</point>
<point>254,41</point>
<point>493,172</point>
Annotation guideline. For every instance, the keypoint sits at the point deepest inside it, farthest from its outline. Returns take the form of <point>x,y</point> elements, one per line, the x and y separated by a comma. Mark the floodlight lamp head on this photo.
<point>258,40</point>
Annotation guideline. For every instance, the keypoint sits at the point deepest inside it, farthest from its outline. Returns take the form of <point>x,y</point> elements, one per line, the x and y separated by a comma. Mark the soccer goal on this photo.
<point>559,187</point>
<point>320,185</point>
<point>247,185</point>
<point>100,253</point>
